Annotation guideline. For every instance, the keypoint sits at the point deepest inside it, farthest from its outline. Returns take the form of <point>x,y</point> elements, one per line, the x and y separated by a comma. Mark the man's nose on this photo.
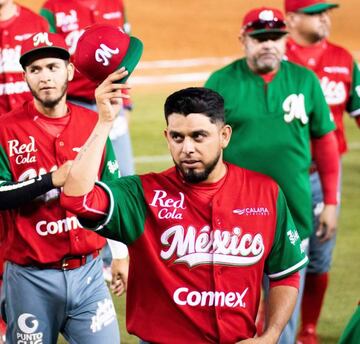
<point>188,145</point>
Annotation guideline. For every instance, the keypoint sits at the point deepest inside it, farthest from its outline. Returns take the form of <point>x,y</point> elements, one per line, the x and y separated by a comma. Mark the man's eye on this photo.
<point>177,138</point>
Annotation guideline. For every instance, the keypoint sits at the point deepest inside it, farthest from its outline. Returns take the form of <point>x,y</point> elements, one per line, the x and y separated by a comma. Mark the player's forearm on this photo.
<point>281,303</point>
<point>326,156</point>
<point>85,168</point>
<point>16,194</point>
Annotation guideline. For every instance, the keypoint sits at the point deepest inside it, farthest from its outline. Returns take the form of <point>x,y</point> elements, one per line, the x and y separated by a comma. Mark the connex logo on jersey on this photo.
<point>104,54</point>
<point>45,228</point>
<point>22,151</point>
<point>27,334</point>
<point>206,246</point>
<point>259,211</point>
<point>294,107</point>
<point>170,207</point>
<point>194,298</point>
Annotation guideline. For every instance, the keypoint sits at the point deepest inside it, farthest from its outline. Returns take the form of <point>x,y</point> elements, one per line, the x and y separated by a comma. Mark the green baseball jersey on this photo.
<point>272,125</point>
<point>197,266</point>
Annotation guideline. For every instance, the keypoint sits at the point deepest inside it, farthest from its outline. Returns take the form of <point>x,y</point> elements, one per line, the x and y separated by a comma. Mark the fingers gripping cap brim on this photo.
<point>132,57</point>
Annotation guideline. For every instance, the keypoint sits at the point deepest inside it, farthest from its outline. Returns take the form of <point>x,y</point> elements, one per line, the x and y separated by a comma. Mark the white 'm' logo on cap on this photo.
<point>266,15</point>
<point>104,54</point>
<point>41,38</point>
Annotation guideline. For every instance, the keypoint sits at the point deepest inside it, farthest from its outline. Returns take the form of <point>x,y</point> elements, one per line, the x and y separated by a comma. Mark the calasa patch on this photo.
<point>196,247</point>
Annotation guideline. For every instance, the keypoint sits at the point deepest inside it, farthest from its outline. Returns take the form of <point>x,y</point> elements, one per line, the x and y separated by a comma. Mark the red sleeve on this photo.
<point>92,206</point>
<point>326,156</point>
<point>292,280</point>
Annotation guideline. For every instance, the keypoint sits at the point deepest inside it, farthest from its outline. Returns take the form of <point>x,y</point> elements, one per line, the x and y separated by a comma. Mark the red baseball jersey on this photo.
<point>42,231</point>
<point>196,267</point>
<point>13,88</point>
<point>70,18</point>
<point>339,77</point>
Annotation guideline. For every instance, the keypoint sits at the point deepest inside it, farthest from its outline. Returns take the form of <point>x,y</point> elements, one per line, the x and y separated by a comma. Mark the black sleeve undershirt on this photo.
<point>16,194</point>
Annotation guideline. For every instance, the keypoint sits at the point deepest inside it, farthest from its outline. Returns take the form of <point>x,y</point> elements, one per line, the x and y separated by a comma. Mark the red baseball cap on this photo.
<point>104,48</point>
<point>264,20</point>
<point>43,44</point>
<point>308,6</point>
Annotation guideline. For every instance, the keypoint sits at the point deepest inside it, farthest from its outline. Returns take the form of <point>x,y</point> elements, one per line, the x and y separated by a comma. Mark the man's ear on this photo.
<point>71,71</point>
<point>226,132</point>
<point>166,137</point>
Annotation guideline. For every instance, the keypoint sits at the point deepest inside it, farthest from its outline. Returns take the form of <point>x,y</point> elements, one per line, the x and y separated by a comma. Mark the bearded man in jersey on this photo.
<point>53,276</point>
<point>200,234</point>
<point>276,108</point>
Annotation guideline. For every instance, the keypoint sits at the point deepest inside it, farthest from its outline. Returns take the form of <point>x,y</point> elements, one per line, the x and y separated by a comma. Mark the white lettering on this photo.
<point>44,228</point>
<point>219,246</point>
<point>334,92</point>
<point>183,297</point>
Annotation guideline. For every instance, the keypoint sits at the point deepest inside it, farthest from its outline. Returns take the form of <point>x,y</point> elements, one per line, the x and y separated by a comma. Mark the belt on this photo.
<point>70,262</point>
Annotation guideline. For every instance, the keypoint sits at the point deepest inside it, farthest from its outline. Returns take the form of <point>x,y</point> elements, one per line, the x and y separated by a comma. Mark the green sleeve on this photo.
<point>5,174</point>
<point>110,170</point>
<point>321,121</point>
<point>49,16</point>
<point>286,255</point>
<point>127,211</point>
<point>353,105</point>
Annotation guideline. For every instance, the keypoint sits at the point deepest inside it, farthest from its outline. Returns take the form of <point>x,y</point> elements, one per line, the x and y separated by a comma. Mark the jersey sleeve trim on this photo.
<point>355,113</point>
<point>100,225</point>
<point>291,269</point>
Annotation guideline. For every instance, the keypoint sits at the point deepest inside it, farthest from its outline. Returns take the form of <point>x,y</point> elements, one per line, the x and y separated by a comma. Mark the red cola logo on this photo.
<point>22,151</point>
<point>170,207</point>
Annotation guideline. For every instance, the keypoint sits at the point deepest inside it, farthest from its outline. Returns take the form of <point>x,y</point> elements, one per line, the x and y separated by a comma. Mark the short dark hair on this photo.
<point>196,100</point>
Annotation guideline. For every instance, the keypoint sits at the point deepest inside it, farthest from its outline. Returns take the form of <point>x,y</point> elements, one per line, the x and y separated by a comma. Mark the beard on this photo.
<point>266,66</point>
<point>192,176</point>
<point>48,102</point>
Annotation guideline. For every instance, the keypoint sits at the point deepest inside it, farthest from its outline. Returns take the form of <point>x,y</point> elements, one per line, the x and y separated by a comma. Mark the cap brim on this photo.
<point>279,32</point>
<point>132,57</point>
<point>317,8</point>
<point>48,51</point>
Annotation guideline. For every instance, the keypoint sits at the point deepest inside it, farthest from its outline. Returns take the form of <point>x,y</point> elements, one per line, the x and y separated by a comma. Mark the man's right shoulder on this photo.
<point>225,74</point>
<point>13,117</point>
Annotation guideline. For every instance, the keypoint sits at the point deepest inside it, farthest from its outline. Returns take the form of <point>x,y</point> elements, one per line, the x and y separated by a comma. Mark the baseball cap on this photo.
<point>264,20</point>
<point>308,6</point>
<point>43,43</point>
<point>104,48</point>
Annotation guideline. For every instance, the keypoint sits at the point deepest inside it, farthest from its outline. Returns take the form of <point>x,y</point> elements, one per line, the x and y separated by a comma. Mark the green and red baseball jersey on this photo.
<point>272,126</point>
<point>339,77</point>
<point>13,89</point>
<point>70,18</point>
<point>196,267</point>
<point>42,231</point>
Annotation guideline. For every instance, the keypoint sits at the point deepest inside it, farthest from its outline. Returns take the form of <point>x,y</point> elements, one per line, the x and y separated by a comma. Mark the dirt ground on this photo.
<point>178,29</point>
